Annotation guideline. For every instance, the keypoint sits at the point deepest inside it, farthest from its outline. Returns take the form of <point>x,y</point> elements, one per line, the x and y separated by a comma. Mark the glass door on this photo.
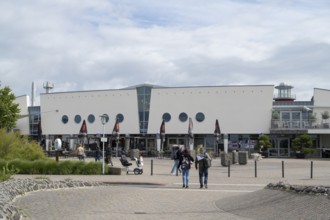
<point>291,119</point>
<point>281,148</point>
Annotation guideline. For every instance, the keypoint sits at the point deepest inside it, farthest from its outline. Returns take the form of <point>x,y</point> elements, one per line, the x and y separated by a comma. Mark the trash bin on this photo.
<point>242,157</point>
<point>235,157</point>
<point>226,158</point>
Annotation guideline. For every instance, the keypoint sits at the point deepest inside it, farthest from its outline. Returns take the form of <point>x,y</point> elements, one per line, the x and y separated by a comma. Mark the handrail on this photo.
<point>299,124</point>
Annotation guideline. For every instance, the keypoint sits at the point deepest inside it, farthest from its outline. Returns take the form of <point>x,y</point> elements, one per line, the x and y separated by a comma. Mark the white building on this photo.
<point>244,112</point>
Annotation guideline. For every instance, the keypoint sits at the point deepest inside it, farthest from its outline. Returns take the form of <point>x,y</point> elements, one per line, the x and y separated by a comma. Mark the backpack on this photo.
<point>185,163</point>
<point>175,156</point>
<point>206,162</point>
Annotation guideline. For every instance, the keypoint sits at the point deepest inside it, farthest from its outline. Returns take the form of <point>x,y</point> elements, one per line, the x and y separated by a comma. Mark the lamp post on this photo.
<point>104,120</point>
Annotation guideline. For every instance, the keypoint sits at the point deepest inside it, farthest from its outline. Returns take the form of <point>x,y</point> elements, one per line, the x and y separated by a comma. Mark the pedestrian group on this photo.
<point>183,162</point>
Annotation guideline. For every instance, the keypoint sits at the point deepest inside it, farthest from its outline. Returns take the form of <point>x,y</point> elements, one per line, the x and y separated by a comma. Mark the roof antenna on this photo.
<point>48,86</point>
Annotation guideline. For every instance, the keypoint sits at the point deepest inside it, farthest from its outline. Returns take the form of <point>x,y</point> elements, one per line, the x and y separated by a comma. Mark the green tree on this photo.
<point>263,143</point>
<point>302,143</point>
<point>9,111</point>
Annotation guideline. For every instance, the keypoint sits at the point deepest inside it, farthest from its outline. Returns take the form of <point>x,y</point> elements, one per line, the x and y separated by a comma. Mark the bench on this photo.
<point>116,170</point>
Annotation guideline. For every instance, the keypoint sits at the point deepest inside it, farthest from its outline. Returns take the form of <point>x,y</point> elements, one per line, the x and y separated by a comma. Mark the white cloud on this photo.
<point>110,44</point>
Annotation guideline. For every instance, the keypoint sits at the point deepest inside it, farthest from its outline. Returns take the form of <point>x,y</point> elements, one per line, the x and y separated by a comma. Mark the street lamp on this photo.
<point>104,120</point>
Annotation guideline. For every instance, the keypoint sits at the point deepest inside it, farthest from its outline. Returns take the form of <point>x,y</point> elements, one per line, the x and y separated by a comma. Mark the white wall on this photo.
<point>22,124</point>
<point>321,97</point>
<point>239,109</point>
<point>321,103</point>
<point>109,102</point>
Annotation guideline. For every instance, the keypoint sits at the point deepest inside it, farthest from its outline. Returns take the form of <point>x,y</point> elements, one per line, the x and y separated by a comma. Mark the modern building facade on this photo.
<point>244,112</point>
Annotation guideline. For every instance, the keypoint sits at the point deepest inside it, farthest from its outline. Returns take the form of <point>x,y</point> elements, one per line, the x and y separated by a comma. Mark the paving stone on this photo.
<point>160,196</point>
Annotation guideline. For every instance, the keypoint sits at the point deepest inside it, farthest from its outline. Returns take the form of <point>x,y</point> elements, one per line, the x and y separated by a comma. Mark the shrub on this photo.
<point>92,168</point>
<point>302,142</point>
<point>24,166</point>
<point>325,115</point>
<point>49,167</point>
<point>45,166</point>
<point>6,172</point>
<point>13,146</point>
<point>78,167</point>
<point>276,115</point>
<point>66,167</point>
<point>309,150</point>
<point>263,143</point>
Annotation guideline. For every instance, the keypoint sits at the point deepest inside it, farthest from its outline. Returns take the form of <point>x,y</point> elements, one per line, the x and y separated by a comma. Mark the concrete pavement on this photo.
<point>160,196</point>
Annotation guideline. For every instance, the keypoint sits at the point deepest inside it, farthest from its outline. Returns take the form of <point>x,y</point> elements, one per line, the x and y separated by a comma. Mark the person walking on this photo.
<point>108,155</point>
<point>81,152</point>
<point>97,154</point>
<point>176,158</point>
<point>201,165</point>
<point>185,162</point>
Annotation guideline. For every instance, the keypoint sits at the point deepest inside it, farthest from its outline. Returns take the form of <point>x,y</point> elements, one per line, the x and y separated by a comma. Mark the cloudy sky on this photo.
<point>110,44</point>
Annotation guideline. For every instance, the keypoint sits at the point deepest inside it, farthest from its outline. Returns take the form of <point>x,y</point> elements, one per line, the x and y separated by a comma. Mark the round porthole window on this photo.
<point>120,117</point>
<point>200,116</point>
<point>183,117</point>
<point>77,118</point>
<point>91,118</point>
<point>166,117</point>
<point>65,119</point>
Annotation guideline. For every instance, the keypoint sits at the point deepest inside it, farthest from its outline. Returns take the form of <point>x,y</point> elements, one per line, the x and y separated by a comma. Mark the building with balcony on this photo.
<point>244,112</point>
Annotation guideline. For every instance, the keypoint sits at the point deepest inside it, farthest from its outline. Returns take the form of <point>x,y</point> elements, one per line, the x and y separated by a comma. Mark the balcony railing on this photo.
<point>298,124</point>
<point>286,96</point>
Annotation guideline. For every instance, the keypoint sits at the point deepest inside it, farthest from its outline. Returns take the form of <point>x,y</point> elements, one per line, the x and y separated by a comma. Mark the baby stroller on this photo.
<point>136,170</point>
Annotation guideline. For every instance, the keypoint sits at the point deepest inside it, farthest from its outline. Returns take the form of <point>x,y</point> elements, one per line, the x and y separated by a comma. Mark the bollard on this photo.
<point>228,168</point>
<point>311,169</point>
<point>152,167</point>
<point>282,169</point>
<point>255,168</point>
<point>57,153</point>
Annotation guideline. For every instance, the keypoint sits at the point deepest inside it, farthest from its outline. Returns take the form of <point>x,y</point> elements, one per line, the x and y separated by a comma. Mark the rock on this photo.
<point>313,190</point>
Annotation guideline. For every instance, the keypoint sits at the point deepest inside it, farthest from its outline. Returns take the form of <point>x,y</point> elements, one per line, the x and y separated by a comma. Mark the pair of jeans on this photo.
<point>175,166</point>
<point>185,176</point>
<point>203,176</point>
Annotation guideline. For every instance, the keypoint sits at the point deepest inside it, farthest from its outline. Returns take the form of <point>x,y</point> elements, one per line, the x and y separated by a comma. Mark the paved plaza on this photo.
<point>157,195</point>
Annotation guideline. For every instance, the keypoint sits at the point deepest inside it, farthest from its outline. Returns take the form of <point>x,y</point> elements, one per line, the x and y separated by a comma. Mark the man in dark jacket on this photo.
<point>176,158</point>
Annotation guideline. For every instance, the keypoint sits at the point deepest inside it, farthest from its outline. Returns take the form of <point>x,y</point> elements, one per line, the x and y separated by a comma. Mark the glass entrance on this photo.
<point>281,148</point>
<point>175,141</point>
